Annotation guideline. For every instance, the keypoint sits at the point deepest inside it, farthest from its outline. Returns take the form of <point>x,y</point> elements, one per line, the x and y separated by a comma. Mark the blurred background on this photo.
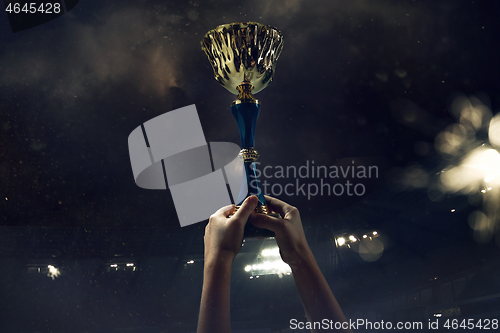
<point>409,88</point>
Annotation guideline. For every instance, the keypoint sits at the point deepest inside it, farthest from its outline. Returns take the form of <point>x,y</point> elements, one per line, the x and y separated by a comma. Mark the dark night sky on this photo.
<point>370,81</point>
<point>74,88</point>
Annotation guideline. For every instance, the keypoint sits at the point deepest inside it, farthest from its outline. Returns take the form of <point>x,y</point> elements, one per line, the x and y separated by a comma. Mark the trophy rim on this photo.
<point>222,26</point>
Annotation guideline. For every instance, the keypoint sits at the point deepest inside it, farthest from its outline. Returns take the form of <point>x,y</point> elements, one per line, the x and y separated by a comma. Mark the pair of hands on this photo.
<point>224,236</point>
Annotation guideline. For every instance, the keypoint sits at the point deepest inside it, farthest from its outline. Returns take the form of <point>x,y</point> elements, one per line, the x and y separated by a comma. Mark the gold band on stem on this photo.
<point>249,154</point>
<point>245,94</point>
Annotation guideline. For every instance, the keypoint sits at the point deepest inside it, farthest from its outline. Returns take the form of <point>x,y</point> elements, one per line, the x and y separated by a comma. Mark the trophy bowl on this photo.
<point>243,53</point>
<point>243,57</point>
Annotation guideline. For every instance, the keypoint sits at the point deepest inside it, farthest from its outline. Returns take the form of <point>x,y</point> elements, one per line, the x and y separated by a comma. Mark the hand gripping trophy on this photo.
<point>243,57</point>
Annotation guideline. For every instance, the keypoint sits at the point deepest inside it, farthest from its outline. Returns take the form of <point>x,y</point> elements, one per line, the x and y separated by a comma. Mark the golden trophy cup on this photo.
<point>243,57</point>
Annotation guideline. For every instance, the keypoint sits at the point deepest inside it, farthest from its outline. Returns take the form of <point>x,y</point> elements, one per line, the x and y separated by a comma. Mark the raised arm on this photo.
<point>223,239</point>
<point>317,298</point>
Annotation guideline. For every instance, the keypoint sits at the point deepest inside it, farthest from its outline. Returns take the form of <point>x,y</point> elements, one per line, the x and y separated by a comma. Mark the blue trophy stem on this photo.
<point>246,115</point>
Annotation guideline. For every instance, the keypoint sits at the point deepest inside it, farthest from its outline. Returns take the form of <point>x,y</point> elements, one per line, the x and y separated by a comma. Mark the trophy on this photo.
<point>243,57</point>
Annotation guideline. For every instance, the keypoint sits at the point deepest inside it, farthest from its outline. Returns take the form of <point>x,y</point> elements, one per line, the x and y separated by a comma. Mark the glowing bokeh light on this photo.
<point>271,252</point>
<point>268,263</point>
<point>494,131</point>
<point>475,162</point>
<point>53,272</point>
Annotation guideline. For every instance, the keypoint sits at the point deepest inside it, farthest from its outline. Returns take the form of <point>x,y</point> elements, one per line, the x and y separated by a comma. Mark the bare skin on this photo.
<point>223,239</point>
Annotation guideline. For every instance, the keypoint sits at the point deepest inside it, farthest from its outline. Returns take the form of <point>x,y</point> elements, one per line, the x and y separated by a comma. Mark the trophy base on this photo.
<point>252,231</point>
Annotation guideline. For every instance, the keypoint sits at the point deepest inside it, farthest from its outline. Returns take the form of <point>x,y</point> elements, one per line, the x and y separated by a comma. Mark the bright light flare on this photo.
<point>480,166</point>
<point>271,252</point>
<point>477,168</point>
<point>268,263</point>
<point>341,241</point>
<point>494,131</point>
<point>53,272</point>
<point>278,267</point>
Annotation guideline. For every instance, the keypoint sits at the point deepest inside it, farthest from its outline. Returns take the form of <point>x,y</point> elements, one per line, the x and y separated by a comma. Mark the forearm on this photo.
<point>215,299</point>
<point>223,239</point>
<point>317,298</point>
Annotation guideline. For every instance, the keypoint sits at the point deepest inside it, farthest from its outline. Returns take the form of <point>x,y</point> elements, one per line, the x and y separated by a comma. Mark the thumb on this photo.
<point>246,208</point>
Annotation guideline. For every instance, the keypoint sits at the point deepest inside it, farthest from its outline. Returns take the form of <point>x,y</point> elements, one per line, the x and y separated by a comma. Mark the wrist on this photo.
<point>219,260</point>
<point>303,259</point>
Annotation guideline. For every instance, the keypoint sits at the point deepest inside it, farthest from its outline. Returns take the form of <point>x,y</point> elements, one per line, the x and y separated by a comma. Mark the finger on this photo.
<point>246,208</point>
<point>279,206</point>
<point>266,222</point>
<point>224,211</point>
